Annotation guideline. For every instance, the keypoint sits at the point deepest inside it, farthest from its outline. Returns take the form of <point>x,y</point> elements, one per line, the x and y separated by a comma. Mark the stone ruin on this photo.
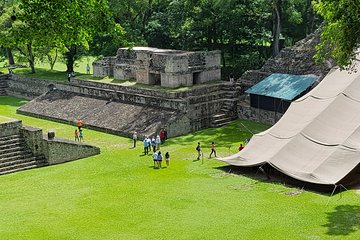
<point>164,67</point>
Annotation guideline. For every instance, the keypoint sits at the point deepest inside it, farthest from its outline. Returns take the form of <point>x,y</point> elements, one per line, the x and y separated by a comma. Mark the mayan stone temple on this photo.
<point>164,67</point>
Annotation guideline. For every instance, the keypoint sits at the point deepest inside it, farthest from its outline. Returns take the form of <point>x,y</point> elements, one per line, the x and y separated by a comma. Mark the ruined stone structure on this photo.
<point>23,147</point>
<point>123,109</point>
<point>297,60</point>
<point>165,67</point>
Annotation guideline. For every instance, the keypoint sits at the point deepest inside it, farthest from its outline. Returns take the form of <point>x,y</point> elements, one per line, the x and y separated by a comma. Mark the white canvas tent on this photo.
<point>318,138</point>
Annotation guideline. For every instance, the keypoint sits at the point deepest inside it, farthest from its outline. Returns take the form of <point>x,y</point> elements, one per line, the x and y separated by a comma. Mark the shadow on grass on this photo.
<point>344,220</point>
<point>266,173</point>
<point>12,101</point>
<point>224,136</point>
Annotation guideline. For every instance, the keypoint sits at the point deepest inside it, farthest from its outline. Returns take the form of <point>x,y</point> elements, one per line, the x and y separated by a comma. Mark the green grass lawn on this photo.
<point>119,195</point>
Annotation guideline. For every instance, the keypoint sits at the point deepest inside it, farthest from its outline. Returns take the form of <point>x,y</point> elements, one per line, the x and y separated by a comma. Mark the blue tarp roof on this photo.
<point>283,86</point>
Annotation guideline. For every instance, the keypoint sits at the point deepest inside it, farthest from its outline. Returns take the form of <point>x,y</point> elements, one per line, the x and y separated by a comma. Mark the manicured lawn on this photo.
<point>118,194</point>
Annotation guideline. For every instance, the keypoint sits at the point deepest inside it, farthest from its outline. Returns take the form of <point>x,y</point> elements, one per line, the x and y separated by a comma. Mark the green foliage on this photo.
<point>118,194</point>
<point>341,33</point>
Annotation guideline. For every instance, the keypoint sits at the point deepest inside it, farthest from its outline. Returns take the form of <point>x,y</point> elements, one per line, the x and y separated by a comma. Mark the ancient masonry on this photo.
<point>23,147</point>
<point>165,67</point>
<point>122,110</point>
<point>297,60</point>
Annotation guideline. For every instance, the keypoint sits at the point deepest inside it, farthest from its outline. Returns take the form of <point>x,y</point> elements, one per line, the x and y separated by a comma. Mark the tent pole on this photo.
<point>331,194</point>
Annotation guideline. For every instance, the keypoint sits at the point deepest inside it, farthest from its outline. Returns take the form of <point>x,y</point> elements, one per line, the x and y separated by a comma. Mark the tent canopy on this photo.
<point>283,86</point>
<point>318,138</point>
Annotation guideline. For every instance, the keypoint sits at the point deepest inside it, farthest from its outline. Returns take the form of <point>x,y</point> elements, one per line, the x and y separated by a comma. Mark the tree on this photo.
<point>65,24</point>
<point>340,38</point>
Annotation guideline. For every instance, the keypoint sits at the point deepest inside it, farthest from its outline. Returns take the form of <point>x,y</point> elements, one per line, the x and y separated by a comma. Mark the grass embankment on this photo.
<point>118,194</point>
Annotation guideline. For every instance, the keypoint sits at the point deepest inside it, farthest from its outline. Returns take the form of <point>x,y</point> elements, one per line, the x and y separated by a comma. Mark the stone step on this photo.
<point>10,143</point>
<point>17,162</point>
<point>14,154</point>
<point>17,168</point>
<point>10,148</point>
<point>9,137</point>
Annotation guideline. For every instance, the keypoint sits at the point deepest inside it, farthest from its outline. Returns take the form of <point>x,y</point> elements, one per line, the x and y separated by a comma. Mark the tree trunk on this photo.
<point>70,59</point>
<point>276,27</point>
<point>31,57</point>
<point>10,56</point>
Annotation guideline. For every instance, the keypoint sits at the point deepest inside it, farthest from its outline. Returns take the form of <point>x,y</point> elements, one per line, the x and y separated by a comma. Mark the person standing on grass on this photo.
<point>155,158</point>
<point>87,69</point>
<point>159,159</point>
<point>167,159</point>
<point>158,142</point>
<point>134,138</point>
<point>153,144</point>
<point>76,135</point>
<point>81,136</point>
<point>198,149</point>
<point>212,149</point>
<point>145,146</point>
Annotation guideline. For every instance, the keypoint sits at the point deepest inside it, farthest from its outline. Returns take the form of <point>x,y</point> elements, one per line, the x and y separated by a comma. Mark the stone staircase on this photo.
<point>3,84</point>
<point>14,156</point>
<point>228,110</point>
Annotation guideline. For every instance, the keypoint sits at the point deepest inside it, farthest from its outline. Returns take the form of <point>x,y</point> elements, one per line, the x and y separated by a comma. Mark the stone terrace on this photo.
<point>99,114</point>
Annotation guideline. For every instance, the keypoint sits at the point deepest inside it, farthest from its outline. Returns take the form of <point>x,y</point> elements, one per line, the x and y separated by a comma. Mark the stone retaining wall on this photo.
<point>10,128</point>
<point>55,151</point>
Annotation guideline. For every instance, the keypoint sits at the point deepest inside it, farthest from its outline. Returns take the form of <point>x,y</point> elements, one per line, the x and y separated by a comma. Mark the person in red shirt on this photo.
<point>162,136</point>
<point>212,149</point>
<point>241,147</point>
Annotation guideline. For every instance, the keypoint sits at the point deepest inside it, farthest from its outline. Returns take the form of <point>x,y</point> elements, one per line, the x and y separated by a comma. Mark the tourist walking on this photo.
<point>159,159</point>
<point>212,149</point>
<point>149,143</point>
<point>134,137</point>
<point>167,158</point>
<point>198,149</point>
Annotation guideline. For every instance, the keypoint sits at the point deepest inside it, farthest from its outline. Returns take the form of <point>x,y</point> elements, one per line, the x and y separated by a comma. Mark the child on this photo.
<point>76,135</point>
<point>167,158</point>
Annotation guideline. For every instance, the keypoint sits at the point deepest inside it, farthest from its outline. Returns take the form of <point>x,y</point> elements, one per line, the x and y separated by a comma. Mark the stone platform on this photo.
<point>99,114</point>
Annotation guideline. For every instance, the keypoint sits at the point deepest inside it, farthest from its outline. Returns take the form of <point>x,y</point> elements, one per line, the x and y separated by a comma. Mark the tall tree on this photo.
<point>67,24</point>
<point>340,38</point>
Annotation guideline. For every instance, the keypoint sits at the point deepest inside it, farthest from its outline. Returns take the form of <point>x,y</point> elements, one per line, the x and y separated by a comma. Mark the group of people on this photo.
<point>78,134</point>
<point>213,151</point>
<point>157,157</point>
<point>151,143</point>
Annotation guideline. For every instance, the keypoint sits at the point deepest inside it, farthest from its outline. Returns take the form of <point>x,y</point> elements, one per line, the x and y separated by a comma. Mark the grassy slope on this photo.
<point>118,195</point>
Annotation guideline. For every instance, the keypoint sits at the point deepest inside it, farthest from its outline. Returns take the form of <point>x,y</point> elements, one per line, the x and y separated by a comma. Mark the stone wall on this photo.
<point>55,151</point>
<point>10,128</point>
<point>108,107</point>
<point>165,67</point>
<point>60,150</point>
